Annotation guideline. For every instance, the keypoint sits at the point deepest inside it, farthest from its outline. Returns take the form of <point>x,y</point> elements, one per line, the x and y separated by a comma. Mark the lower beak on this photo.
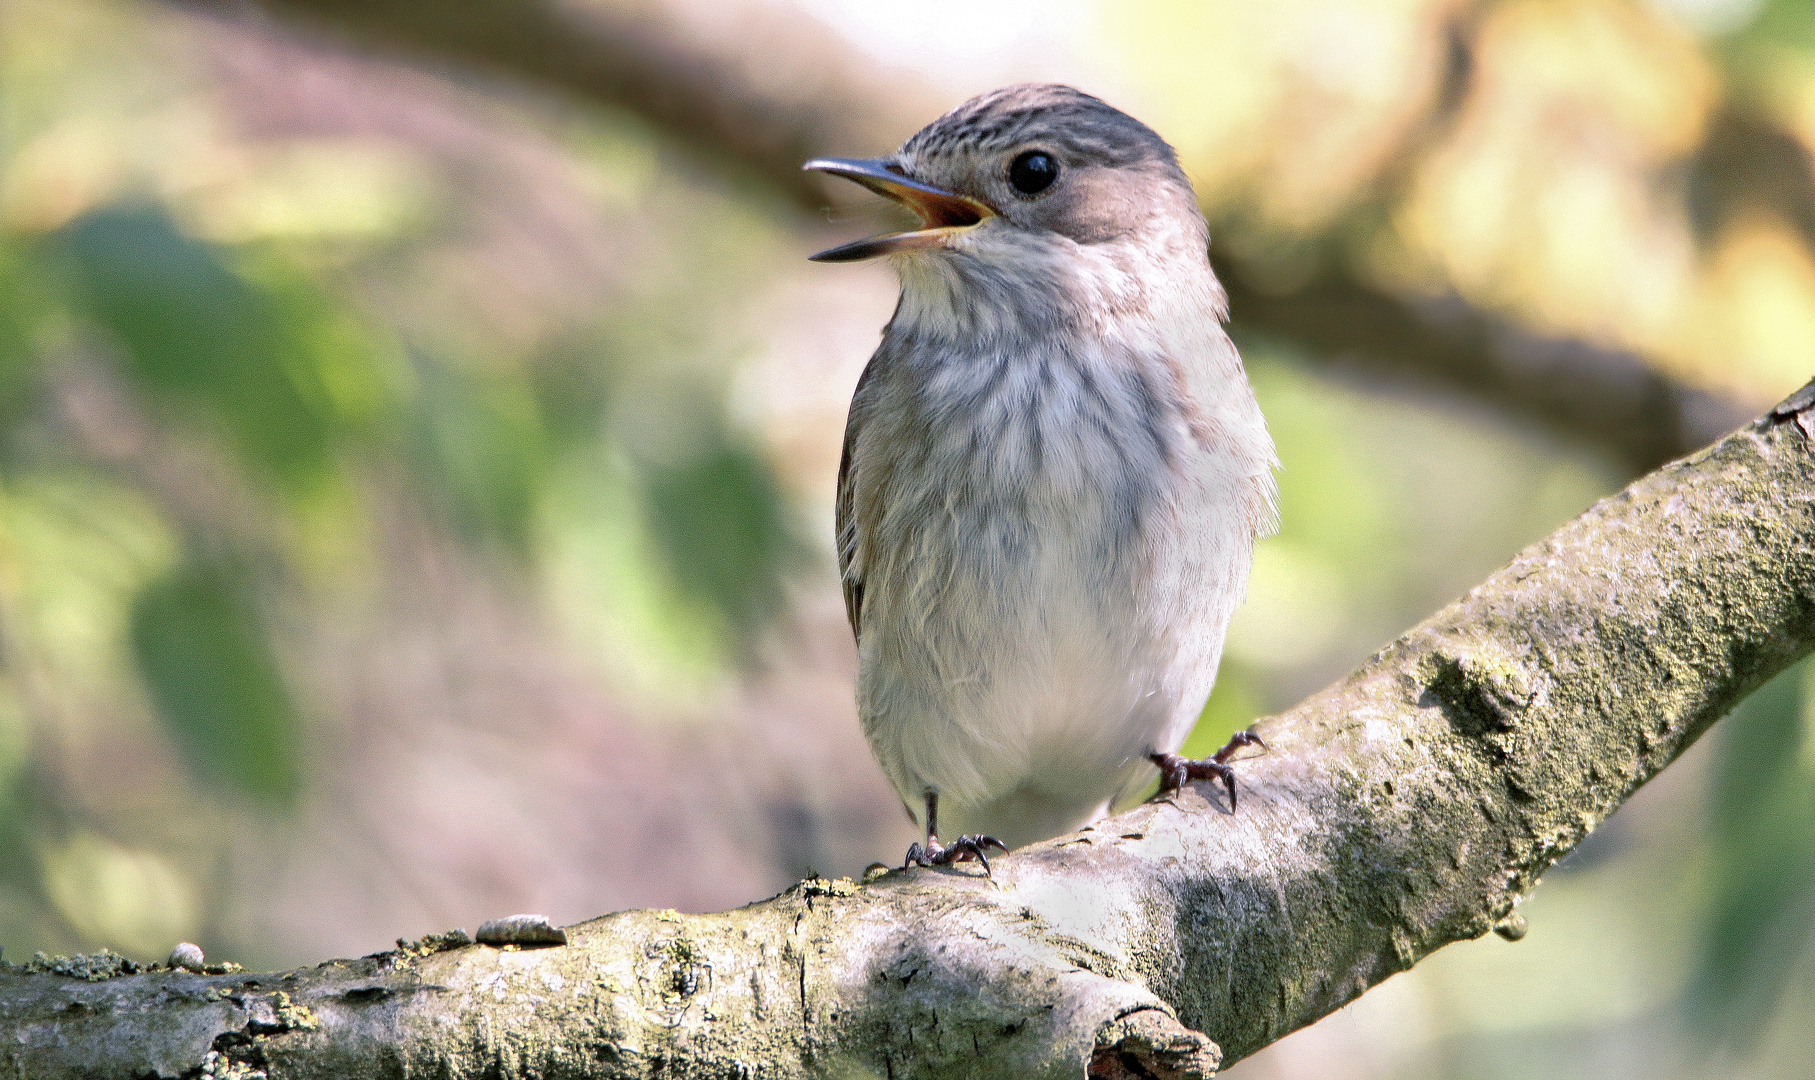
<point>942,213</point>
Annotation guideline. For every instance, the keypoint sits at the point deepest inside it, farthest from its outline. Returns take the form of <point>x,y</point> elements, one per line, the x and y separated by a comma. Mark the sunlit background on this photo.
<point>416,463</point>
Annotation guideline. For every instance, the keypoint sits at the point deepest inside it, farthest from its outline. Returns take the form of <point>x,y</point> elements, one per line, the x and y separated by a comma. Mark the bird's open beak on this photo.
<point>942,213</point>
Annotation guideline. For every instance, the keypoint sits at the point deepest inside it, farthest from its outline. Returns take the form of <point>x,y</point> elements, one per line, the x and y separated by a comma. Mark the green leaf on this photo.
<point>719,521</point>
<point>23,297</point>
<point>481,447</point>
<point>196,335</point>
<point>204,655</point>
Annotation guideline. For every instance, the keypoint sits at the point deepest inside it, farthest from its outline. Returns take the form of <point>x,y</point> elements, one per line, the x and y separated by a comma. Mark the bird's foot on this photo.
<point>963,849</point>
<point>1176,770</point>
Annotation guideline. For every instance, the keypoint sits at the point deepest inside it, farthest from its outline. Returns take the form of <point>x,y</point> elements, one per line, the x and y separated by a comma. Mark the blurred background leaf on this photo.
<point>198,337</point>
<point>203,652</point>
<point>482,448</point>
<point>720,525</point>
<point>20,297</point>
<point>1762,835</point>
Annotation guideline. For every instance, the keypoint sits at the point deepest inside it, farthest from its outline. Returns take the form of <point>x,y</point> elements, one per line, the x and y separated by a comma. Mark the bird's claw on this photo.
<point>1176,770</point>
<point>963,849</point>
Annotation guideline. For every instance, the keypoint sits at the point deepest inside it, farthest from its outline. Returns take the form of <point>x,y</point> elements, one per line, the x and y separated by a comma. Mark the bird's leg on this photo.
<point>964,849</point>
<point>1175,770</point>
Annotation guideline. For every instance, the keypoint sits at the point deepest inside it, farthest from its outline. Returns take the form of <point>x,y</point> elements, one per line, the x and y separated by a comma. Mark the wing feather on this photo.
<point>850,568</point>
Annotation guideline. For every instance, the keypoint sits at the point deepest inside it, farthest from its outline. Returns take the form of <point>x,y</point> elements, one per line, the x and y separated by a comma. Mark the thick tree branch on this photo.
<point>809,97</point>
<point>1410,805</point>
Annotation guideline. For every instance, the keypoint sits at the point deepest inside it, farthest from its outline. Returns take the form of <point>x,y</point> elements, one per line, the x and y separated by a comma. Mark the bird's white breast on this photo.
<point>1052,535</point>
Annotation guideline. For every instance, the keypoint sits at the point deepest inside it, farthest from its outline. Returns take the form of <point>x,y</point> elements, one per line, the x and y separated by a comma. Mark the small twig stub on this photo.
<point>521,930</point>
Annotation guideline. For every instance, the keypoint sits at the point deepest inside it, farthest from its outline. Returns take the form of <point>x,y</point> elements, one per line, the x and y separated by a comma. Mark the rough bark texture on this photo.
<point>1410,805</point>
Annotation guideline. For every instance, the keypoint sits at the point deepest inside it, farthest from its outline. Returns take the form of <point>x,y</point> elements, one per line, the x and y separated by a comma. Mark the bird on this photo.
<point>1053,476</point>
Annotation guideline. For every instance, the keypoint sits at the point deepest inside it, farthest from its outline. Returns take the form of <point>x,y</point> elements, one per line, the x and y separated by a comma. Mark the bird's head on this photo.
<point>1024,172</point>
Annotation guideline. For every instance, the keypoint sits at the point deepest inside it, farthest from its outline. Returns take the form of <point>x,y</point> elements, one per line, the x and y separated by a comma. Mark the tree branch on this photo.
<point>756,118</point>
<point>809,98</point>
<point>1583,393</point>
<point>1412,804</point>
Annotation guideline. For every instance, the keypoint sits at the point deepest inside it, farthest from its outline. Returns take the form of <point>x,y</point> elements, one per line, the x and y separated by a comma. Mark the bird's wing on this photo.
<point>852,577</point>
<point>850,569</point>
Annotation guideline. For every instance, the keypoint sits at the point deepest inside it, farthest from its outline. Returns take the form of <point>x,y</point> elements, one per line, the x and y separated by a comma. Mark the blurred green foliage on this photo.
<point>211,412</point>
<point>480,449</point>
<point>1786,23</point>
<point>717,518</point>
<point>17,304</point>
<point>202,339</point>
<point>298,389</point>
<point>1762,841</point>
<point>242,344</point>
<point>202,648</point>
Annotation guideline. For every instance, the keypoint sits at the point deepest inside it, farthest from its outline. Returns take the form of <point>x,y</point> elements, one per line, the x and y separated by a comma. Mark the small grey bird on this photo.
<point>1054,472</point>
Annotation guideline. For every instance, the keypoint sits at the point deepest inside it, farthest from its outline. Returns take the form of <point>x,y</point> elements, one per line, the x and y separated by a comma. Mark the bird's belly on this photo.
<point>1023,662</point>
<point>1053,718</point>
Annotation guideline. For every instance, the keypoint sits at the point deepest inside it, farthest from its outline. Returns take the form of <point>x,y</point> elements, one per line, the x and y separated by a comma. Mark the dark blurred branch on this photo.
<point>1584,393</point>
<point>759,100</point>
<point>762,104</point>
<point>1410,805</point>
<point>1749,164</point>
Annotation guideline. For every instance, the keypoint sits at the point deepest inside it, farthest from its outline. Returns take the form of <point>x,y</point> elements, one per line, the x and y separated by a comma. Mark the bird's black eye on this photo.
<point>1033,172</point>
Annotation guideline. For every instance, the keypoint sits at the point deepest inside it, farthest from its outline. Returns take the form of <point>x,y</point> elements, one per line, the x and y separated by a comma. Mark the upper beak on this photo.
<point>942,213</point>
